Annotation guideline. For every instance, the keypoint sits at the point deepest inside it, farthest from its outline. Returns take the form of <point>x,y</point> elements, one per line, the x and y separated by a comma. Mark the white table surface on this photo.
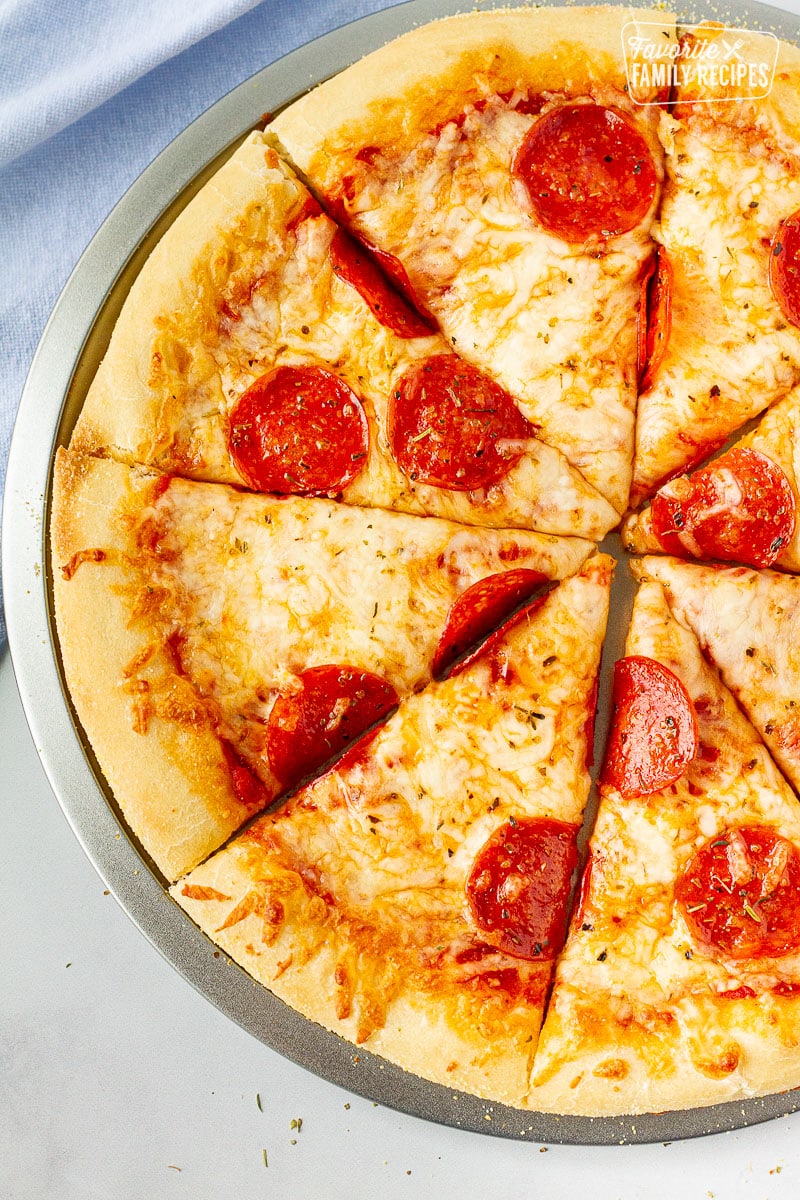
<point>119,1082</point>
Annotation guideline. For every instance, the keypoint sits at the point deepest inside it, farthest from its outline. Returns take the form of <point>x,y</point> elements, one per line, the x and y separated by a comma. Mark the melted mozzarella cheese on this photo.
<point>265,588</point>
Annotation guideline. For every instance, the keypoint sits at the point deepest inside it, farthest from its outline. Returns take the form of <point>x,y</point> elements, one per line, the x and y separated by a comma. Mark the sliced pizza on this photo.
<point>498,166</point>
<point>679,985</point>
<point>748,624</point>
<point>221,645</point>
<point>261,346</point>
<point>740,507</point>
<point>413,898</point>
<point>724,303</point>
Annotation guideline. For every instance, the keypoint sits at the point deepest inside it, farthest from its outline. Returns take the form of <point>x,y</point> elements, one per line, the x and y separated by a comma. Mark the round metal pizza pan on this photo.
<point>68,355</point>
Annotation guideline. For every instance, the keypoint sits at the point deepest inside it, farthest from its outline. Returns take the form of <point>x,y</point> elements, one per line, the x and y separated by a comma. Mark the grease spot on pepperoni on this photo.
<point>479,609</point>
<point>332,706</point>
<point>299,430</point>
<point>519,886</point>
<point>740,894</point>
<point>588,172</point>
<point>451,426</point>
<point>356,265</point>
<point>654,731</point>
<point>739,508</point>
<point>654,321</point>
<point>784,267</point>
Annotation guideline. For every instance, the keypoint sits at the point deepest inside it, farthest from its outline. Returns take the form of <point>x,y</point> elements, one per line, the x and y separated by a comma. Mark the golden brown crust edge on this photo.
<point>172,782</point>
<point>710,1051</point>
<point>416,1034</point>
<point>442,59</point>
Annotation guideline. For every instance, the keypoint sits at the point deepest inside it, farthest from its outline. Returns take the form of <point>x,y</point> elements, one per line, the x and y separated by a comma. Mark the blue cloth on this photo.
<point>90,92</point>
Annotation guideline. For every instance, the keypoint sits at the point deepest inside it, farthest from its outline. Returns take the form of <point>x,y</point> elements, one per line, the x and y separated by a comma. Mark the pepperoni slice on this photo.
<point>784,267</point>
<point>495,651</point>
<point>654,733</point>
<point>740,894</point>
<point>312,723</point>
<point>247,787</point>
<point>519,886</point>
<point>740,508</point>
<point>299,430</point>
<point>452,426</point>
<point>479,609</point>
<point>356,265</point>
<point>588,172</point>
<point>654,323</point>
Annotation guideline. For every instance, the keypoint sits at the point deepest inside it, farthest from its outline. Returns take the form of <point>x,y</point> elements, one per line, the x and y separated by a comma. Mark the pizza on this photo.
<point>740,507</point>
<point>748,624</point>
<point>474,789</point>
<point>725,309</point>
<point>272,354</point>
<point>680,980</point>
<point>534,271</point>
<point>330,580</point>
<point>247,638</point>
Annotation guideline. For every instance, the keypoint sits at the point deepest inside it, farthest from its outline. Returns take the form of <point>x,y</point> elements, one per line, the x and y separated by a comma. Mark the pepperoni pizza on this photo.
<point>413,898</point>
<point>325,579</point>
<point>509,173</point>
<point>679,984</point>
<point>724,302</point>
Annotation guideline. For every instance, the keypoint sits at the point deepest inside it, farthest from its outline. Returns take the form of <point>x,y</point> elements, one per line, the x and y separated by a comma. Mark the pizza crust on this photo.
<point>406,86</point>
<point>181,759</point>
<point>159,351</point>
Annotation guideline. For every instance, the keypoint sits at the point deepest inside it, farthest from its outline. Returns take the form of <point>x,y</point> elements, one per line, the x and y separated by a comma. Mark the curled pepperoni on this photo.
<point>479,609</point>
<point>655,317</point>
<point>299,430</point>
<point>356,265</point>
<point>519,886</point>
<point>654,732</point>
<point>588,172</point>
<point>784,267</point>
<point>452,426</point>
<point>740,508</point>
<point>740,894</point>
<point>313,722</point>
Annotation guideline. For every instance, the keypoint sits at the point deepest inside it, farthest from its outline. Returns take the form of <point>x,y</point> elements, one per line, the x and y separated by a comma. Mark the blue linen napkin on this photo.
<point>90,92</point>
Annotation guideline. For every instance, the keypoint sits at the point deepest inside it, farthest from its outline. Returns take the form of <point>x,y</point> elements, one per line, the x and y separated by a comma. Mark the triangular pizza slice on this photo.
<point>679,985</point>
<point>413,898</point>
<point>724,341</point>
<point>499,166</point>
<point>748,624</point>
<point>261,346</point>
<point>740,507</point>
<point>221,645</point>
